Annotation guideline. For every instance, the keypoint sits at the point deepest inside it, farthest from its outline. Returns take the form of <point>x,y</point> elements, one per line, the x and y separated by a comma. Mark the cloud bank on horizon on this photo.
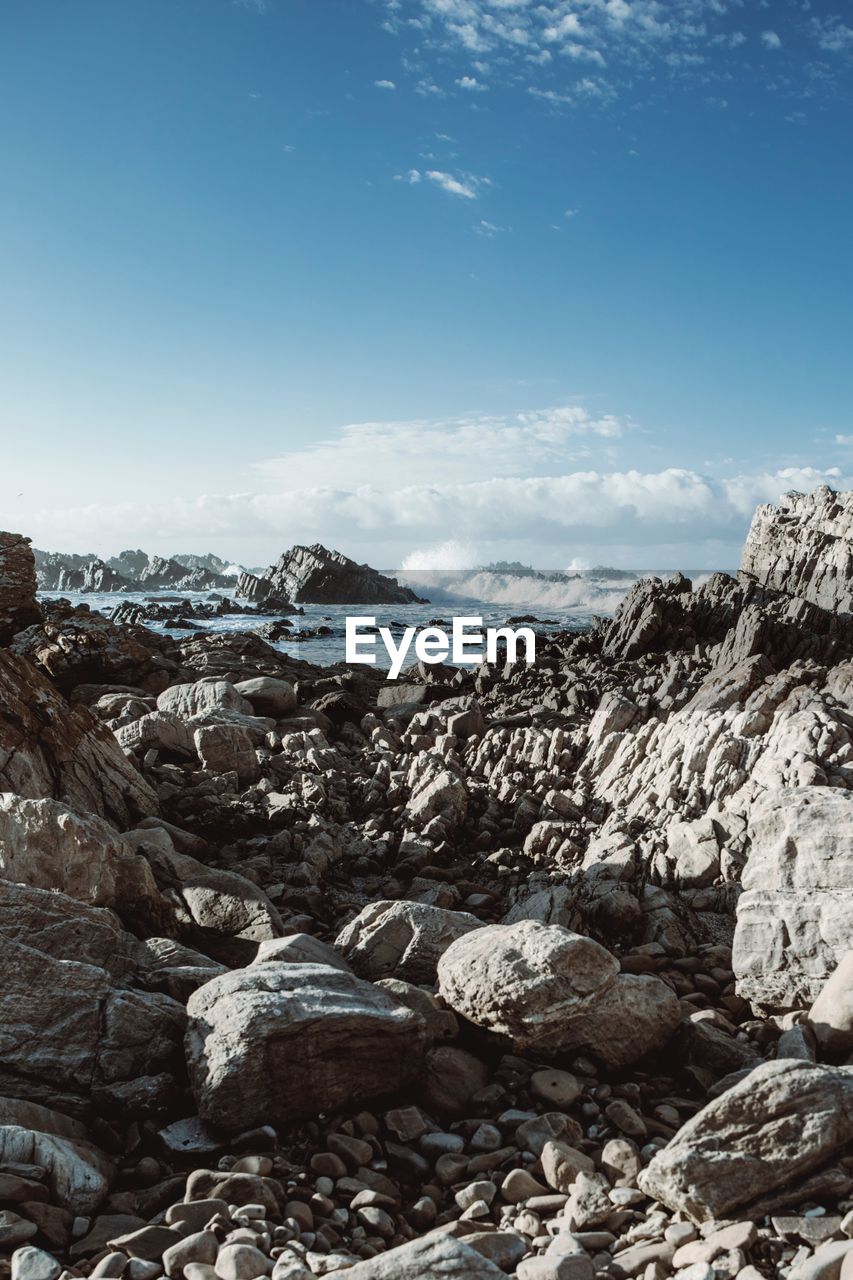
<point>544,485</point>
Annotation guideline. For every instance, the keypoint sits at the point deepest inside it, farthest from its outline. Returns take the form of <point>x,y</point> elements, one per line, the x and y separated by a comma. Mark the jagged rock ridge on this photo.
<point>314,575</point>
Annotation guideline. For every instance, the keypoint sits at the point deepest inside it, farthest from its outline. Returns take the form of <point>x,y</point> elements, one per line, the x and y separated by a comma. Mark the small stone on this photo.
<point>241,1262</point>
<point>519,1185</point>
<point>589,1203</point>
<point>466,1196</point>
<point>679,1233</point>
<point>142,1269</point>
<point>486,1138</point>
<point>620,1161</point>
<point>560,1088</point>
<point>329,1165</point>
<point>149,1243</point>
<point>561,1165</point>
<point>110,1267</point>
<point>504,1248</point>
<point>199,1247</point>
<point>567,1266</point>
<point>15,1230</point>
<point>34,1264</point>
<point>377,1221</point>
<point>624,1117</point>
<point>197,1213</point>
<point>353,1150</point>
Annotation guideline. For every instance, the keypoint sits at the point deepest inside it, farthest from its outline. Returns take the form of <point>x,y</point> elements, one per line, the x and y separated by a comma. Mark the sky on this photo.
<point>454,280</point>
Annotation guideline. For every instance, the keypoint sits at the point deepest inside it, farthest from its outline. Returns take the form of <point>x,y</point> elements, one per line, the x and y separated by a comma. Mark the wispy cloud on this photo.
<point>771,40</point>
<point>489,229</point>
<point>466,185</point>
<point>384,84</point>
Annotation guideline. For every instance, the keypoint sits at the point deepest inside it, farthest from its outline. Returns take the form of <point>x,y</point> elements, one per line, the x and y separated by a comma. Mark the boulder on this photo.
<point>268,696</point>
<point>45,844</point>
<point>434,1255</point>
<point>401,939</point>
<point>73,1038</point>
<point>795,916</point>
<point>18,607</point>
<point>277,1042</point>
<point>157,731</point>
<point>207,694</point>
<point>299,948</point>
<point>764,1135</point>
<point>526,980</point>
<point>831,1015</point>
<point>223,747</point>
<point>78,1173</point>
<point>49,749</point>
<point>223,912</point>
<point>634,1017</point>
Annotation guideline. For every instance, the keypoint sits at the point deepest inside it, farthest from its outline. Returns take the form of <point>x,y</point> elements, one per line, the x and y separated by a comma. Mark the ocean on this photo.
<point>558,602</point>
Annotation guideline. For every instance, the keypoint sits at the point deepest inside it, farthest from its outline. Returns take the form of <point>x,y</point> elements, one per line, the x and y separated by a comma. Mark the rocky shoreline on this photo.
<point>536,972</point>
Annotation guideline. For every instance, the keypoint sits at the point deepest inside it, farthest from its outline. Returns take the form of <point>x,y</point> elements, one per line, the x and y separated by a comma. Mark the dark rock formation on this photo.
<point>314,575</point>
<point>18,608</point>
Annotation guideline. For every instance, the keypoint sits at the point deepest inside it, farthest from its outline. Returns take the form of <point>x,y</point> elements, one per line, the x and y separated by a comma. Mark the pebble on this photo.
<point>29,1263</point>
<point>14,1229</point>
<point>241,1262</point>
<point>560,1088</point>
<point>201,1246</point>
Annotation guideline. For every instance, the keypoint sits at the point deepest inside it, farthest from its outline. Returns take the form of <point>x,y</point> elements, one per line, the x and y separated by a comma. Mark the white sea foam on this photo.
<point>564,592</point>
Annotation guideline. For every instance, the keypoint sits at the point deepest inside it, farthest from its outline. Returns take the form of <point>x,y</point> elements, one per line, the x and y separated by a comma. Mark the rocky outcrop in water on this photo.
<point>130,571</point>
<point>536,972</point>
<point>314,575</point>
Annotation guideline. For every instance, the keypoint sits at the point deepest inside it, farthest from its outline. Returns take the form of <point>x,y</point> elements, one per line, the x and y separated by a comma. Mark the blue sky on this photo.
<point>558,281</point>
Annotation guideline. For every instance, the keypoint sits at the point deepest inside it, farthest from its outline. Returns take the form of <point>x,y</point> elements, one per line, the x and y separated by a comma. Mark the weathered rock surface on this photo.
<point>401,939</point>
<point>314,575</point>
<point>804,547</point>
<point>333,1038</point>
<point>434,1255</point>
<point>526,980</point>
<point>45,844</point>
<point>795,916</point>
<point>18,608</point>
<point>73,1037</point>
<point>50,749</point>
<point>78,1173</point>
<point>764,1135</point>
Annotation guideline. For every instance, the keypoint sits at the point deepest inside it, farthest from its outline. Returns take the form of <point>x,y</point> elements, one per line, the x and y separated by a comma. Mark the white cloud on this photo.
<point>467,185</point>
<point>846,440</point>
<point>454,449</point>
<point>536,43</point>
<point>385,84</point>
<point>489,229</point>
<point>471,84</point>
<point>602,509</point>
